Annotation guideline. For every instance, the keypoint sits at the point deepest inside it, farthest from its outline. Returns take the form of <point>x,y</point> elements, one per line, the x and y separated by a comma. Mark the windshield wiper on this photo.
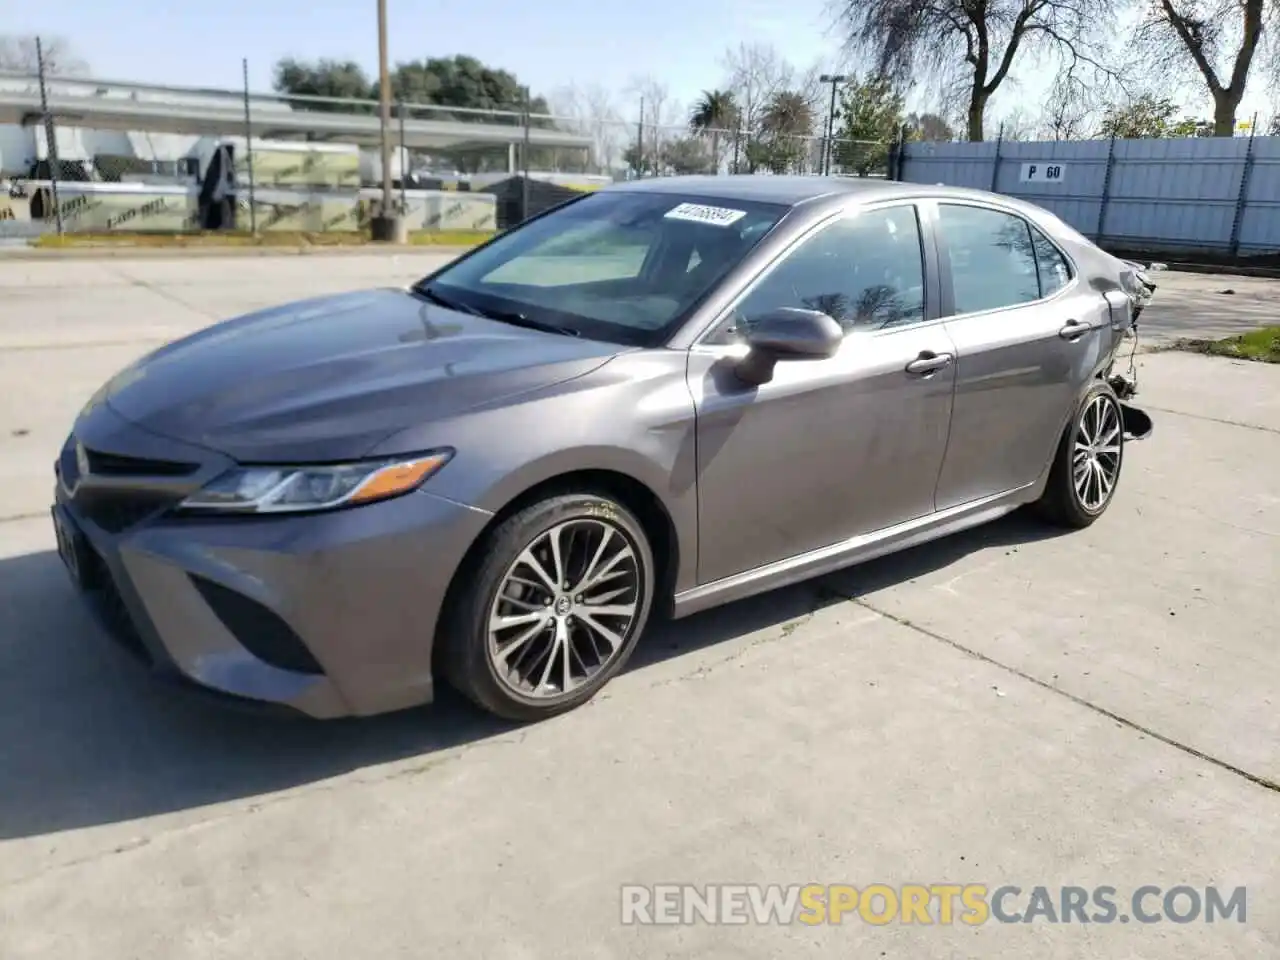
<point>513,317</point>
<point>517,319</point>
<point>451,304</point>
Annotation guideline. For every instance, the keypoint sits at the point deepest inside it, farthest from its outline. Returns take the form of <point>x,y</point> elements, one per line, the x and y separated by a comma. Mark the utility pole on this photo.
<point>386,227</point>
<point>640,143</point>
<point>50,138</point>
<point>835,79</point>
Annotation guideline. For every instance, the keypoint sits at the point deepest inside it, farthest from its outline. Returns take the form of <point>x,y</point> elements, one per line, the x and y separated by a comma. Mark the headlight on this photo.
<point>296,489</point>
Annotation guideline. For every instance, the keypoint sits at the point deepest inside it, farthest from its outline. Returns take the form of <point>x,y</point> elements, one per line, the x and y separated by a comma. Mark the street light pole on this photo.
<point>835,79</point>
<point>386,226</point>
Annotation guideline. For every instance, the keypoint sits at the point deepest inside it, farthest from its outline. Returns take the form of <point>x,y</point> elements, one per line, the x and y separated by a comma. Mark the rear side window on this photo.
<point>1051,265</point>
<point>993,261</point>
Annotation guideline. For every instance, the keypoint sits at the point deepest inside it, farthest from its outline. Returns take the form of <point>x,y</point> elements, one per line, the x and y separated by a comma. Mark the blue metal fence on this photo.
<point>1189,195</point>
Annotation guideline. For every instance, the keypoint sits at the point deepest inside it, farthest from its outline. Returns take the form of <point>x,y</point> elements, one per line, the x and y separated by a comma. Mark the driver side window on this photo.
<point>866,272</point>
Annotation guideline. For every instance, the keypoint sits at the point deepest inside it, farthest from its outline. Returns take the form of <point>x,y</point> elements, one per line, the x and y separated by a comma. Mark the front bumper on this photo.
<point>329,614</point>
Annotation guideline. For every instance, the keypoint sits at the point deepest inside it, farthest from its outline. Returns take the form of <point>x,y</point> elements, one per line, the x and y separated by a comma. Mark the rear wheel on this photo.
<point>1086,468</point>
<point>553,609</point>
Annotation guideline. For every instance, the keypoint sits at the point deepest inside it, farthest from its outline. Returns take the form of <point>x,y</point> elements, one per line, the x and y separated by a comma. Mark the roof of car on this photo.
<point>794,190</point>
<point>790,190</point>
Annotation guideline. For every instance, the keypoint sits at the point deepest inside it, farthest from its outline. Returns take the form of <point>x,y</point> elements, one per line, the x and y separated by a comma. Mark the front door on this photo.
<point>1028,337</point>
<point>831,448</point>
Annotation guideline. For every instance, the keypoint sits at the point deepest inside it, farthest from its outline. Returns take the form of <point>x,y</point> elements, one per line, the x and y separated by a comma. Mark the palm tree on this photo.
<point>713,113</point>
<point>788,117</point>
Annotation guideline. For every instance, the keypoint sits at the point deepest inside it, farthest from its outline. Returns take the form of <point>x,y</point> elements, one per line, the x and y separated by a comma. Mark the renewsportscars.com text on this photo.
<point>970,904</point>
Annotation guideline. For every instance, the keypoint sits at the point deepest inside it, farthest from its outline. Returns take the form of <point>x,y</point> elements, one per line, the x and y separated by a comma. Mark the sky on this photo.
<point>547,45</point>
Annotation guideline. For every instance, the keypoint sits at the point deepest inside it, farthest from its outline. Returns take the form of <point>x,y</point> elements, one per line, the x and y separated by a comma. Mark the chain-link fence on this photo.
<point>626,150</point>
<point>86,156</point>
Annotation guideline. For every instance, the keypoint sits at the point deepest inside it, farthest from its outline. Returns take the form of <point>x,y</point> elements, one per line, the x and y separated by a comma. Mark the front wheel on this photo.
<point>1086,468</point>
<point>553,609</point>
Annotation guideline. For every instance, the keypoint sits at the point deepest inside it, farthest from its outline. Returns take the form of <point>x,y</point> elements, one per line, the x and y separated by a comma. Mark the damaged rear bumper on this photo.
<point>1137,422</point>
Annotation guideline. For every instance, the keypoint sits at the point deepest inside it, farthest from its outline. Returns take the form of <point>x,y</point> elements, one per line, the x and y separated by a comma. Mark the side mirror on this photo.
<point>788,333</point>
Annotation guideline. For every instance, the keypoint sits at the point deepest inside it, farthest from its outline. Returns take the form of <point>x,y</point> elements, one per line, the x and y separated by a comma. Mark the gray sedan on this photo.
<point>654,399</point>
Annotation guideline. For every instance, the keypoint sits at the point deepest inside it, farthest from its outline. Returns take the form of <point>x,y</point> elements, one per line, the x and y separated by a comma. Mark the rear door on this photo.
<point>832,448</point>
<point>1028,334</point>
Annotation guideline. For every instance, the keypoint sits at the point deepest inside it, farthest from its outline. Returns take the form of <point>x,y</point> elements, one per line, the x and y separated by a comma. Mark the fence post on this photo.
<point>898,155</point>
<point>1099,233</point>
<point>737,144</point>
<point>248,150</point>
<point>50,136</point>
<point>995,163</point>
<point>524,161</point>
<point>403,157</point>
<point>1242,199</point>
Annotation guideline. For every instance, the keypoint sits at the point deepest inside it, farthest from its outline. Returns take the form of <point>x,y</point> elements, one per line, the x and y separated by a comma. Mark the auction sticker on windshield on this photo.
<point>702,213</point>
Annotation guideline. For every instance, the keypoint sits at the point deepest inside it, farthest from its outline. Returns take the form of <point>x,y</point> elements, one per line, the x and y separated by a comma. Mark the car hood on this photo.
<point>328,379</point>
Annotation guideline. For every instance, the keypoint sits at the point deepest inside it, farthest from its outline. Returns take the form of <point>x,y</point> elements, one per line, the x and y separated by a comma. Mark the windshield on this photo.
<point>617,265</point>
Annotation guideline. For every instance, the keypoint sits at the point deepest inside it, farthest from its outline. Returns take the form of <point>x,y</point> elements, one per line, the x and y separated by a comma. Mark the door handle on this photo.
<point>928,363</point>
<point>1074,330</point>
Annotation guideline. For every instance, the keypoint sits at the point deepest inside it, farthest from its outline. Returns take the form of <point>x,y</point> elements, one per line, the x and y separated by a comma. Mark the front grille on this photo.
<point>111,608</point>
<point>67,468</point>
<point>257,629</point>
<point>109,506</point>
<point>117,510</point>
<point>118,465</point>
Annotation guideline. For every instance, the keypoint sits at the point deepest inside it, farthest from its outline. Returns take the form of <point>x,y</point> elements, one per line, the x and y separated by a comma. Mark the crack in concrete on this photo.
<point>1211,518</point>
<point>164,294</point>
<point>1256,779</point>
<point>80,344</point>
<point>1201,416</point>
<point>30,515</point>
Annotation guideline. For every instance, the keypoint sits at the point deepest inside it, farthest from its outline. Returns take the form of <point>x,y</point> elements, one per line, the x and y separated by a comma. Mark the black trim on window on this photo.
<point>944,257</point>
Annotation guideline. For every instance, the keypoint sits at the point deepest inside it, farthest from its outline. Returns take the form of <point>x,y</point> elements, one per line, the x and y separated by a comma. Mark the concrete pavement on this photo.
<point>1012,705</point>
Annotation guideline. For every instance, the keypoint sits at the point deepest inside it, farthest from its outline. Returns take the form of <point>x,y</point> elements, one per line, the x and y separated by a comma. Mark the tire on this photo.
<point>570,625</point>
<point>1065,501</point>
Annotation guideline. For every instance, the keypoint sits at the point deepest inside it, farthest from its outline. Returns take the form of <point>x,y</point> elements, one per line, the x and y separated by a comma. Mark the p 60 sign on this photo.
<point>1044,172</point>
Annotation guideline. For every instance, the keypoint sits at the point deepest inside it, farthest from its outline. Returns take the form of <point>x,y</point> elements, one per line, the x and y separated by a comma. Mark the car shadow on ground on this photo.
<point>88,738</point>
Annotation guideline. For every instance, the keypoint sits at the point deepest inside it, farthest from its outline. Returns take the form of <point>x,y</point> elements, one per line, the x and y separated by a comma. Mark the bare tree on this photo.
<point>18,55</point>
<point>968,47</point>
<point>1069,108</point>
<point>660,117</point>
<point>590,110</point>
<point>1016,125</point>
<point>755,74</point>
<point>1216,40</point>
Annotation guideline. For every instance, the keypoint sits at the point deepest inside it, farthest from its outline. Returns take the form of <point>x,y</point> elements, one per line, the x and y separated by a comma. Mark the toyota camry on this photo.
<point>650,400</point>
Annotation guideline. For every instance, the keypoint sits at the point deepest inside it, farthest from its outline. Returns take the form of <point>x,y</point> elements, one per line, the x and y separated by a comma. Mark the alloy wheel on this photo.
<point>1095,463</point>
<point>565,608</point>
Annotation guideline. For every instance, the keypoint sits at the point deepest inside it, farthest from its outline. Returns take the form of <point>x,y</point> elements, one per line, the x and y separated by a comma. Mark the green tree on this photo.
<point>929,127</point>
<point>324,78</point>
<point>687,155</point>
<point>462,82</point>
<point>439,88</point>
<point>785,128</point>
<point>871,118</point>
<point>1150,117</point>
<point>714,113</point>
